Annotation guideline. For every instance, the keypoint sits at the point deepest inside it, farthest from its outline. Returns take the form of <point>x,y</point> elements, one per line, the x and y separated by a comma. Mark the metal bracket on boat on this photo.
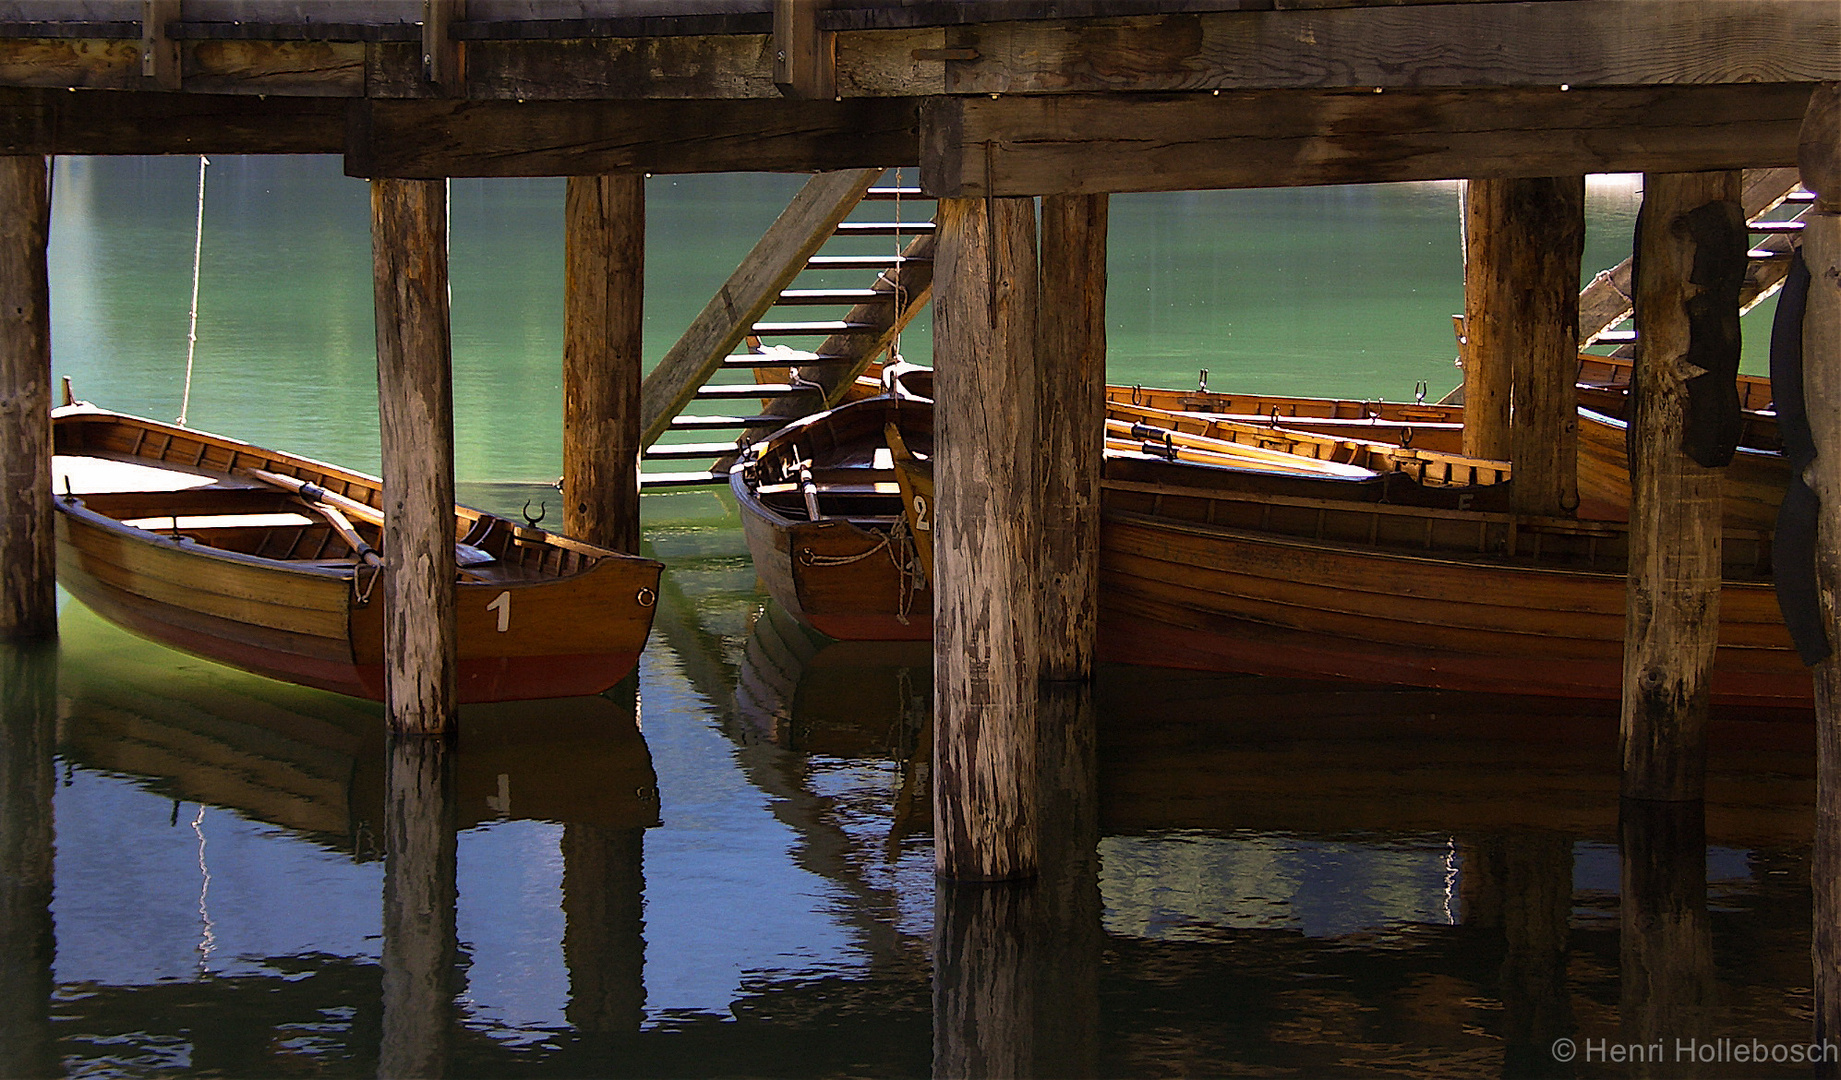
<point>1201,382</point>
<point>1137,393</point>
<point>1274,420</point>
<point>542,507</point>
<point>70,497</point>
<point>1419,392</point>
<point>1406,437</point>
<point>647,597</point>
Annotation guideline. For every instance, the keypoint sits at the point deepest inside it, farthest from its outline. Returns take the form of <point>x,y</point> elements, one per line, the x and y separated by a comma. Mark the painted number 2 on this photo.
<point>502,605</point>
<point>921,524</point>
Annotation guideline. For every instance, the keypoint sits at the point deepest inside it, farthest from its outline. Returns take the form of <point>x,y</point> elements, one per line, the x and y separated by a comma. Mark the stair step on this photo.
<point>717,423</point>
<point>781,358</point>
<point>1766,254</point>
<point>689,451</point>
<point>744,391</point>
<point>885,228</point>
<point>836,296</point>
<point>1776,226</point>
<point>1617,336</point>
<point>816,326</point>
<point>1800,196</point>
<point>862,262</point>
<point>890,194</point>
<point>660,481</point>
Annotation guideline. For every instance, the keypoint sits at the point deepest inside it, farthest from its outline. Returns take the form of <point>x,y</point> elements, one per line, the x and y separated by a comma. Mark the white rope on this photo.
<point>191,334</point>
<point>900,288</point>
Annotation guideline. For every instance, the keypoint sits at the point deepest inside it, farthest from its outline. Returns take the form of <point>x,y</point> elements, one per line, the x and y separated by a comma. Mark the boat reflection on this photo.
<point>1300,875</point>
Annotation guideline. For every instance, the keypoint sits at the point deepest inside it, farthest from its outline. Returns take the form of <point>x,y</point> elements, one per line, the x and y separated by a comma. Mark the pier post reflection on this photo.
<point>1667,937</point>
<point>28,739</point>
<point>1521,884</point>
<point>420,892</point>
<point>1016,964</point>
<point>604,891</point>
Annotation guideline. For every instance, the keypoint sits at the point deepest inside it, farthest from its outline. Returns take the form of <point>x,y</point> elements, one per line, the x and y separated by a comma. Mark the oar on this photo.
<point>329,504</point>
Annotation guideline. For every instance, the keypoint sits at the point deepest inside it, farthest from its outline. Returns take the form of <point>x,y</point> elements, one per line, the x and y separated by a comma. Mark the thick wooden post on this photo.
<point>28,554</point>
<point>1489,371</point>
<point>604,323</point>
<point>28,745</point>
<point>1071,414</point>
<point>1819,158</point>
<point>416,406</point>
<point>420,892</point>
<point>985,554</point>
<point>1672,612</point>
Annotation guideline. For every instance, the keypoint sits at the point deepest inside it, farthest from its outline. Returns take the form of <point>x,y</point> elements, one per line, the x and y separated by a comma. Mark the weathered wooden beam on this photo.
<point>114,122</point>
<point>1575,42</point>
<point>775,260</point>
<point>1071,420</point>
<point>416,408</point>
<point>28,545</point>
<point>451,138</point>
<point>1690,226</point>
<point>984,604</point>
<point>805,57</point>
<point>443,59</point>
<point>420,935</point>
<point>1012,146</point>
<point>603,338</point>
<point>1523,242</point>
<point>1819,159</point>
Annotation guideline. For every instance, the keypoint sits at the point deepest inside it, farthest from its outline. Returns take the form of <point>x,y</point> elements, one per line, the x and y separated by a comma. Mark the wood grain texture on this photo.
<point>1822,393</point>
<point>984,998</point>
<point>28,545</point>
<point>1530,304</point>
<point>1086,143</point>
<point>774,261</point>
<point>1673,612</point>
<point>1818,150</point>
<point>420,936</point>
<point>1579,42</point>
<point>416,410</point>
<point>1489,366</point>
<point>985,541</point>
<point>1071,414</point>
<point>603,338</point>
<point>109,122</point>
<point>431,139</point>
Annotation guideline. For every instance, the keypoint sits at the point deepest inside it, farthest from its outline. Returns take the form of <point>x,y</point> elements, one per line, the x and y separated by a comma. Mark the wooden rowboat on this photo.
<point>267,562</point>
<point>1382,580</point>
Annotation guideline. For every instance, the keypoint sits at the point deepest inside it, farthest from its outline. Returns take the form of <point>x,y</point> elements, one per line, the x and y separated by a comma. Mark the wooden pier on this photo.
<point>997,104</point>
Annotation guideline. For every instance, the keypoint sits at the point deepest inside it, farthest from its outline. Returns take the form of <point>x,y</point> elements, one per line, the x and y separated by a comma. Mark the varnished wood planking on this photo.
<point>1674,595</point>
<point>603,322</point>
<point>416,407</point>
<point>1026,145</point>
<point>985,673</point>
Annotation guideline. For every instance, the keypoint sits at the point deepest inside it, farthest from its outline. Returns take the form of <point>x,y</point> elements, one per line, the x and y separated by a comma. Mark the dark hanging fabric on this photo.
<point>1714,419</point>
<point>1793,544</point>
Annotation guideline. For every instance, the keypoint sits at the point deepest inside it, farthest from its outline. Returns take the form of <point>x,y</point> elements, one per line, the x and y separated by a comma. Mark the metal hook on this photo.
<point>542,507</point>
<point>1137,393</point>
<point>1201,382</point>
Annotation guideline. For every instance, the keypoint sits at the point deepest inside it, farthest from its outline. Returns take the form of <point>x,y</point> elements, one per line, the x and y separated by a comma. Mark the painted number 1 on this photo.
<point>502,605</point>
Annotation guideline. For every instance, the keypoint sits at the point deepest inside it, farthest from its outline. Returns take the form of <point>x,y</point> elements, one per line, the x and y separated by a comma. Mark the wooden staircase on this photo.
<point>1774,205</point>
<point>793,350</point>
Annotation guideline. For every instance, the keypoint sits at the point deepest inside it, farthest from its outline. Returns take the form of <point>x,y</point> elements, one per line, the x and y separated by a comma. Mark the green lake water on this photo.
<point>1276,878</point>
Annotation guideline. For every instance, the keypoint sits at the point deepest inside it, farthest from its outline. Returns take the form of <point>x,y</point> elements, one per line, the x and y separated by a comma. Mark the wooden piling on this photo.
<point>1819,159</point>
<point>985,555</point>
<point>28,554</point>
<point>420,934</point>
<point>1488,370</point>
<point>1672,611</point>
<point>28,747</point>
<point>1071,414</point>
<point>603,313</point>
<point>416,408</point>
